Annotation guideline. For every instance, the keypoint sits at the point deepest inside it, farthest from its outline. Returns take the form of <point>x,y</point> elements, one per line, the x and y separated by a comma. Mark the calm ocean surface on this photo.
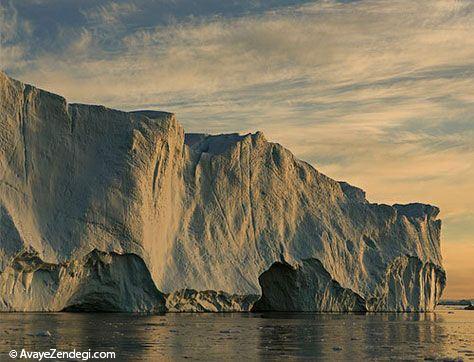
<point>446,334</point>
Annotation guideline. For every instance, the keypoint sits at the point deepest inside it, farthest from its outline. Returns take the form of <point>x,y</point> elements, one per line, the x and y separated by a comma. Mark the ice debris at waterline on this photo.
<point>122,211</point>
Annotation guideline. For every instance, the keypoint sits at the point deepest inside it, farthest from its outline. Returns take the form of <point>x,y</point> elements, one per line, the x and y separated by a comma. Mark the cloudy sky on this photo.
<point>378,93</point>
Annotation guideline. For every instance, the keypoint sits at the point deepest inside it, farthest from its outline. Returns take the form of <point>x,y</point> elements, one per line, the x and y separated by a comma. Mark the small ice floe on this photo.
<point>44,334</point>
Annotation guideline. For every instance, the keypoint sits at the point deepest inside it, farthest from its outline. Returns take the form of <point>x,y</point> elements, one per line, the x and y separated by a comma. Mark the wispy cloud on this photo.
<point>379,93</point>
<point>12,30</point>
<point>109,13</point>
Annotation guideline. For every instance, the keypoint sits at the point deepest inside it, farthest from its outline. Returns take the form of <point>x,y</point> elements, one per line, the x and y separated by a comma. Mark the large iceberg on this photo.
<point>108,210</point>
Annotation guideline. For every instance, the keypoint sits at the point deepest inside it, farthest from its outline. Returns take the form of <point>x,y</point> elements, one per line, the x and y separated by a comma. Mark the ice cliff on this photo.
<point>108,210</point>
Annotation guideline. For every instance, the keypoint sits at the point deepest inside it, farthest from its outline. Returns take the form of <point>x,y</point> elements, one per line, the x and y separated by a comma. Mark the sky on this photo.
<point>377,93</point>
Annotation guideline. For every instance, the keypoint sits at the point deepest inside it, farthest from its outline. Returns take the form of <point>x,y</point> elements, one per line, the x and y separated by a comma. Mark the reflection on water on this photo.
<point>246,336</point>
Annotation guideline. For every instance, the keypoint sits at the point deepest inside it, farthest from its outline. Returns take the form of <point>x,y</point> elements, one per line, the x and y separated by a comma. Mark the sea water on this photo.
<point>447,333</point>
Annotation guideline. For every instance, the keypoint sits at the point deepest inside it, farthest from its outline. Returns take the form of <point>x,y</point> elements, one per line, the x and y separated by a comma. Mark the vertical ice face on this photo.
<point>202,212</point>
